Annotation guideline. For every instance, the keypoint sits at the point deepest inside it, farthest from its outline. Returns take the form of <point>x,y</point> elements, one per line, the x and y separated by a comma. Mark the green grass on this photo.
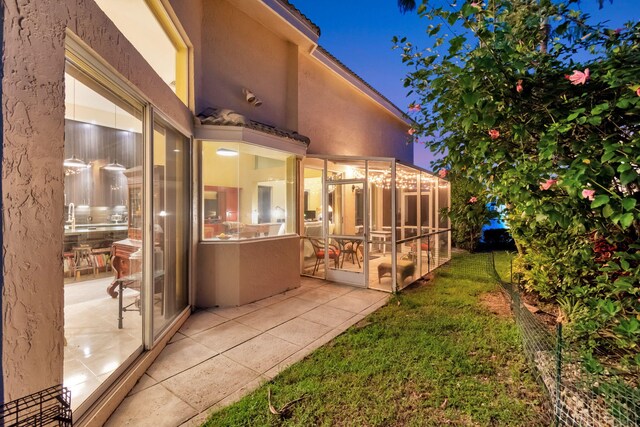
<point>431,344</point>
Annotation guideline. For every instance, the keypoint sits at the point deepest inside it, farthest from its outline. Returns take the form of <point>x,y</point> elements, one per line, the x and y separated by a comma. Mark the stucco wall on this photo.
<point>241,53</point>
<point>236,273</point>
<point>32,178</point>
<point>341,120</point>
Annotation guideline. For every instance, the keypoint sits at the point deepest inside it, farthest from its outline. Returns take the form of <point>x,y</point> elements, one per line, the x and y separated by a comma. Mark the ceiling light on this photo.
<point>74,162</point>
<point>226,152</point>
<point>114,167</point>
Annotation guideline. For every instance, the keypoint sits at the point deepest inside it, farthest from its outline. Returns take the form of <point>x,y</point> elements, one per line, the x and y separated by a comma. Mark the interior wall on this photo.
<point>340,120</point>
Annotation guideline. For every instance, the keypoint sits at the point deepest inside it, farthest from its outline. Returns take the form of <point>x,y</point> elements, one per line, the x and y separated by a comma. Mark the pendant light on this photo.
<point>115,166</point>
<point>73,162</point>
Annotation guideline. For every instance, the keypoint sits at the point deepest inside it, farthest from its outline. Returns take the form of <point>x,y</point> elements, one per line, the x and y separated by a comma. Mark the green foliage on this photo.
<point>506,101</point>
<point>468,211</point>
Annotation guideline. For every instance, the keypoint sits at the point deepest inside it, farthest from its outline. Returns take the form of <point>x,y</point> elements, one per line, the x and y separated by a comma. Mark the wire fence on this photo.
<point>576,397</point>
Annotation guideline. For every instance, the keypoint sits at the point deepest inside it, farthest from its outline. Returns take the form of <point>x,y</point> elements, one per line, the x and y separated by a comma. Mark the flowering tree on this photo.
<point>554,139</point>
<point>468,211</point>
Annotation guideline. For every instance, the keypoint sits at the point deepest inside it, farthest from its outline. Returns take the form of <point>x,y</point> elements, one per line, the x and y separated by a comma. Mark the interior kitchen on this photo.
<point>102,202</point>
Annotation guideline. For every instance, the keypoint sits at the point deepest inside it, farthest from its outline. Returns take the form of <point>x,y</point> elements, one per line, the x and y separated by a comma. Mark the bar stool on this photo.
<point>83,260</point>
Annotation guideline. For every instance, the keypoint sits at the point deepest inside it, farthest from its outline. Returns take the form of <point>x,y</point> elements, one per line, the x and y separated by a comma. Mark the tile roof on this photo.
<point>225,117</point>
<point>302,16</point>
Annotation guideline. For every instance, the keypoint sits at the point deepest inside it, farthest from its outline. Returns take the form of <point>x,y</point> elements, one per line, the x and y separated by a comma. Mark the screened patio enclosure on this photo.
<point>372,222</point>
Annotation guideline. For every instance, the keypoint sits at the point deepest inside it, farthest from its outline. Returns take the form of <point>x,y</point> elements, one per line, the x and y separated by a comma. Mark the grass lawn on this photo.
<point>435,355</point>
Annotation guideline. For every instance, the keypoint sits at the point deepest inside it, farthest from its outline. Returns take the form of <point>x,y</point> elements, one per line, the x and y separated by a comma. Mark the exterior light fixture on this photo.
<point>225,152</point>
<point>251,98</point>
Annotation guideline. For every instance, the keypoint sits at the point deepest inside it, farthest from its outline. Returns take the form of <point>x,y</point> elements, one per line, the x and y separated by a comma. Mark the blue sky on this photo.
<point>359,32</point>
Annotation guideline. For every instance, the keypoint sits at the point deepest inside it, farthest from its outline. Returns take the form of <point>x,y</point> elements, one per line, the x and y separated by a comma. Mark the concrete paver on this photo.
<point>222,354</point>
<point>195,385</point>
<point>153,407</point>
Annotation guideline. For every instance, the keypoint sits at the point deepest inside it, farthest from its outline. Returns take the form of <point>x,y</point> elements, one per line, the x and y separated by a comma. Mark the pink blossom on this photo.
<point>579,77</point>
<point>519,86</point>
<point>494,134</point>
<point>411,131</point>
<point>547,184</point>
<point>638,92</point>
<point>475,4</point>
<point>618,31</point>
<point>473,199</point>
<point>414,107</point>
<point>589,194</point>
<point>442,173</point>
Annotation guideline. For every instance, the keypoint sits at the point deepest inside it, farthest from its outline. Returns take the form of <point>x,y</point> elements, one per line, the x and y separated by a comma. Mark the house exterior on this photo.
<point>157,149</point>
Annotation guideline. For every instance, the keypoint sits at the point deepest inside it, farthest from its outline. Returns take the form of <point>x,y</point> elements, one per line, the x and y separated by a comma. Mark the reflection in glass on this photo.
<point>171,201</point>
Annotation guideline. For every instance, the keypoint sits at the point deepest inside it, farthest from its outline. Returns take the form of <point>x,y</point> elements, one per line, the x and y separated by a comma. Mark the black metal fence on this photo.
<point>576,397</point>
<point>49,407</point>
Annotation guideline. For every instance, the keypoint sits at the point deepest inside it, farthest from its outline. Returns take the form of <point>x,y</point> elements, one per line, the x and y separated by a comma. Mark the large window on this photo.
<point>149,29</point>
<point>103,203</point>
<point>248,191</point>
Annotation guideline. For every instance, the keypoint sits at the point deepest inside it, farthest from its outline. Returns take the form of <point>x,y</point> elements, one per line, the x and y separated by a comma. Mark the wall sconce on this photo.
<point>251,98</point>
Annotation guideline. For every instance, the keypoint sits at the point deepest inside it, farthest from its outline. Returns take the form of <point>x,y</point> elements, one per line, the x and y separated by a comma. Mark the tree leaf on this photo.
<point>600,200</point>
<point>628,203</point>
<point>626,220</point>
<point>628,176</point>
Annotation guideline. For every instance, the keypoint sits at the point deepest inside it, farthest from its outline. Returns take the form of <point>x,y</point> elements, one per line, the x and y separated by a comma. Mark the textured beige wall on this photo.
<point>32,179</point>
<point>231,274</point>
<point>341,120</point>
<point>241,53</point>
<point>32,186</point>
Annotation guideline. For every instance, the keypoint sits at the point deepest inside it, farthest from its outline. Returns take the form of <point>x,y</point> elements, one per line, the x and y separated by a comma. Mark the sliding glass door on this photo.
<point>171,223</point>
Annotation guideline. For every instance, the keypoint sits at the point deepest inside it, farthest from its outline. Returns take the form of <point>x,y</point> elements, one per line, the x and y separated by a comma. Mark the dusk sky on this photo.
<point>359,32</point>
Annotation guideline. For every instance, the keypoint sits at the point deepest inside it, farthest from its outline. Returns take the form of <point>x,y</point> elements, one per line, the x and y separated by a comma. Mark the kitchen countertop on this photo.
<point>93,228</point>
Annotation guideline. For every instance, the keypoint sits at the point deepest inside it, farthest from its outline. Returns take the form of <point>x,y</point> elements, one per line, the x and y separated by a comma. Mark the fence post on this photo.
<point>511,273</point>
<point>558,371</point>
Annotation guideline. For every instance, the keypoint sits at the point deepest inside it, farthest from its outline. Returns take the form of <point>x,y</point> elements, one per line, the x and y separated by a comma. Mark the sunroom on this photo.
<point>372,222</point>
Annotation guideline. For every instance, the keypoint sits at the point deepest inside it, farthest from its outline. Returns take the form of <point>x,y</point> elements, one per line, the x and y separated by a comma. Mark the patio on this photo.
<point>221,354</point>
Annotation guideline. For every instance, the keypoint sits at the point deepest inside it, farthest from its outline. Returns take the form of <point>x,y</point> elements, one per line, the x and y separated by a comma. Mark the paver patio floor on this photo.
<point>222,354</point>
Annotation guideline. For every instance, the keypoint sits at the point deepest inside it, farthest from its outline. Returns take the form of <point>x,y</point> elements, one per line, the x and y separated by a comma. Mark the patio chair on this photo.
<point>318,251</point>
<point>351,248</point>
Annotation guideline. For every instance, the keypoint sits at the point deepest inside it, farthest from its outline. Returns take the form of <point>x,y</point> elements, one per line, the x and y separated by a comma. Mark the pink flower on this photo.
<point>411,131</point>
<point>589,194</point>
<point>547,184</point>
<point>473,199</point>
<point>618,31</point>
<point>579,77</point>
<point>442,173</point>
<point>638,92</point>
<point>494,134</point>
<point>414,107</point>
<point>519,86</point>
<point>475,4</point>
